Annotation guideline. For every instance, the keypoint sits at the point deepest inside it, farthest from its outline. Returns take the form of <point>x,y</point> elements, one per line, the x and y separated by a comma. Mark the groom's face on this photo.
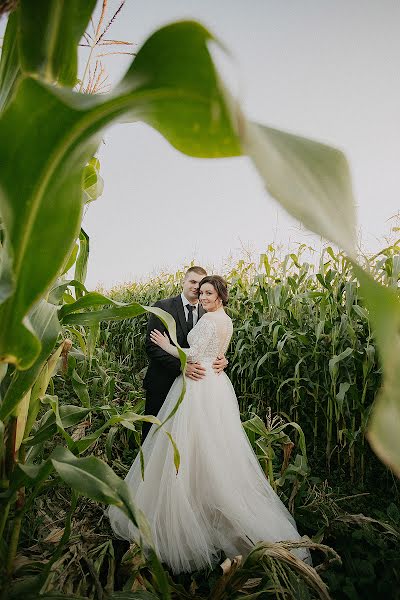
<point>191,286</point>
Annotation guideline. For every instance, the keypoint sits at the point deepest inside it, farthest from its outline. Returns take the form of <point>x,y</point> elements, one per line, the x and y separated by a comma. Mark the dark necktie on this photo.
<point>189,321</point>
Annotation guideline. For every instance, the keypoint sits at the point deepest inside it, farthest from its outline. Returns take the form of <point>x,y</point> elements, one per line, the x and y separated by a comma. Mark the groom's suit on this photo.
<point>163,368</point>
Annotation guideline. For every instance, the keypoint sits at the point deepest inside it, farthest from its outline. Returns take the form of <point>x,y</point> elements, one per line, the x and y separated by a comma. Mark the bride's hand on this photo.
<point>160,339</point>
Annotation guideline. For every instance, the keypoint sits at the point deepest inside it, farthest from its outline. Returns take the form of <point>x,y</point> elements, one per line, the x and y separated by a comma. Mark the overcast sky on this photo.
<point>324,69</point>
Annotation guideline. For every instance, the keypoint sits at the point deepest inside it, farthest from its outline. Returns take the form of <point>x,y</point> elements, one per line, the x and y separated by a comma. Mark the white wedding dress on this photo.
<point>220,499</point>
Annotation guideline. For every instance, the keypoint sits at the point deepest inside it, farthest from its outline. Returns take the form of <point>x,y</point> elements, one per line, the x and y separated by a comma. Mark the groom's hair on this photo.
<point>220,286</point>
<point>198,270</point>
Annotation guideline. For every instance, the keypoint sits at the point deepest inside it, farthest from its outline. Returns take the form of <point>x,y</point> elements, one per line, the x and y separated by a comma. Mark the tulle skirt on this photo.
<point>220,499</point>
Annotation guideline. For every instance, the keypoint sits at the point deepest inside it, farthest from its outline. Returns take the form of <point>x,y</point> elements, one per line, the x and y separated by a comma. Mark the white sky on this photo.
<point>324,69</point>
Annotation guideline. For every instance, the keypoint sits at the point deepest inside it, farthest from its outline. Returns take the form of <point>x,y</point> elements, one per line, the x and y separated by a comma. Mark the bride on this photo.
<point>220,498</point>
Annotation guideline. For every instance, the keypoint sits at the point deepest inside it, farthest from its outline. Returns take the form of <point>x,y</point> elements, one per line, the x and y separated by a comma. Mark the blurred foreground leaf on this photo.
<point>384,426</point>
<point>310,180</point>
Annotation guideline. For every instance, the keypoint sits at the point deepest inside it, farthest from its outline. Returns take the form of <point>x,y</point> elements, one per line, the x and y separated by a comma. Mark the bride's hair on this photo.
<point>220,286</point>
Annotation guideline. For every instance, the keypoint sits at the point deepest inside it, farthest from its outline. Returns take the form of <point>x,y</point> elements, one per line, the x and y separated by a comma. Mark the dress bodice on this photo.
<point>209,337</point>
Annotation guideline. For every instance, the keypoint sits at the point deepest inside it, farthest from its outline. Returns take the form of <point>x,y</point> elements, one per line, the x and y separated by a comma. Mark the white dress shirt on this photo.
<point>185,301</point>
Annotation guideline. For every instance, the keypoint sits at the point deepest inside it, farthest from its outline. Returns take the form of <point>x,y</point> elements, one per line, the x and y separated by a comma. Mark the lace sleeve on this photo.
<point>228,337</point>
<point>202,335</point>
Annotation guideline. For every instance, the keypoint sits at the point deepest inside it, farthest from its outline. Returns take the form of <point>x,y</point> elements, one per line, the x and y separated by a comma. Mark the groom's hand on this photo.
<point>195,371</point>
<point>220,363</point>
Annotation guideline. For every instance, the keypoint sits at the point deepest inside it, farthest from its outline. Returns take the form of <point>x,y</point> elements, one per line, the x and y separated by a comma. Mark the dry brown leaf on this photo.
<point>54,536</point>
<point>79,432</point>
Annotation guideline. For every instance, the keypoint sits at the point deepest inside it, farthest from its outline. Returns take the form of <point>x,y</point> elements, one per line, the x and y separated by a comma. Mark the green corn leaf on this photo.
<point>80,389</point>
<point>28,475</point>
<point>40,386</point>
<point>361,312</point>
<point>109,442</point>
<point>126,421</point>
<point>10,71</point>
<point>70,415</point>
<point>45,323</point>
<point>159,575</point>
<point>49,33</point>
<point>383,428</point>
<point>335,360</point>
<point>94,479</point>
<point>53,401</point>
<point>92,183</point>
<point>56,294</point>
<point>310,180</point>
<point>82,261</point>
<point>177,458</point>
<point>71,260</point>
<point>2,440</point>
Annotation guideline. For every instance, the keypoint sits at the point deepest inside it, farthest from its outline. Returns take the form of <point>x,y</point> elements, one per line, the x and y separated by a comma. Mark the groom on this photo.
<point>164,368</point>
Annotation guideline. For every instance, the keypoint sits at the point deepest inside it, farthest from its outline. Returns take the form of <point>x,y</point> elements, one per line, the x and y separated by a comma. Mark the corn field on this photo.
<point>302,344</point>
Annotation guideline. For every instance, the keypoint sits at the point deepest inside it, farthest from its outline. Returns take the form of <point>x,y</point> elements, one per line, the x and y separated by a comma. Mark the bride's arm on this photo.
<point>204,329</point>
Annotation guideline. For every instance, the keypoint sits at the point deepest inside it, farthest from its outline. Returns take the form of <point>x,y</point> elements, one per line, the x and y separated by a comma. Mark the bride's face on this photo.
<point>209,298</point>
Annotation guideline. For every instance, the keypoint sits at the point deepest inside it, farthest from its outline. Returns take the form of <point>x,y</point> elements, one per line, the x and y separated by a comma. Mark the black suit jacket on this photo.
<point>164,368</point>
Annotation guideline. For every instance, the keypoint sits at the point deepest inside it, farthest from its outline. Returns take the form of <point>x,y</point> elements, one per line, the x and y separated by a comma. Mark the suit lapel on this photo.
<point>181,314</point>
